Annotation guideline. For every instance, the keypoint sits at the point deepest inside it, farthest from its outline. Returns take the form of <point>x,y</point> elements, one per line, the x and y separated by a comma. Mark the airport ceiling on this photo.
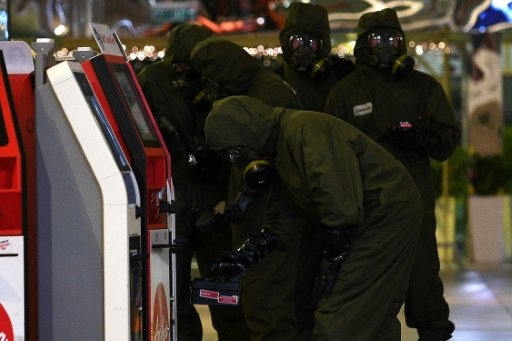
<point>456,15</point>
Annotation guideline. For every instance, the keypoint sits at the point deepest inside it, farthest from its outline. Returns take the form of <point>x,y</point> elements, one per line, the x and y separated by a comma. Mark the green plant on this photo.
<point>457,168</point>
<point>490,175</point>
<point>487,174</point>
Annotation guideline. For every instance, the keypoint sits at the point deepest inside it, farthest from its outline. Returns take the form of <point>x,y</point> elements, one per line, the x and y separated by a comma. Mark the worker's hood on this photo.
<point>225,62</point>
<point>385,19</point>
<point>309,19</point>
<point>182,40</point>
<point>245,122</point>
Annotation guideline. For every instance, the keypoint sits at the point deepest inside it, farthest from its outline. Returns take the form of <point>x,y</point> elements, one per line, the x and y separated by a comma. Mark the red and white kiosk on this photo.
<point>19,64</point>
<point>13,216</point>
<point>105,210</point>
<point>108,196</point>
<point>115,85</point>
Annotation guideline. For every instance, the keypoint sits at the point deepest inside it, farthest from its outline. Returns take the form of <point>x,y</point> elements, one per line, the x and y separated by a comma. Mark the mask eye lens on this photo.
<point>375,39</point>
<point>296,42</point>
<point>395,40</point>
<point>390,39</point>
<point>235,155</point>
<point>299,40</point>
<point>314,44</point>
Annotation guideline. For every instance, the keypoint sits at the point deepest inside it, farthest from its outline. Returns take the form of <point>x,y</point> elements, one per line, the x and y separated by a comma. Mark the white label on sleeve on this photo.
<point>363,109</point>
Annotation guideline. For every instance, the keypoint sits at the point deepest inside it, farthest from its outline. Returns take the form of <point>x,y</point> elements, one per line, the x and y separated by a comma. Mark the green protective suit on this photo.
<point>241,74</point>
<point>312,85</point>
<point>199,231</point>
<point>343,180</point>
<point>238,73</point>
<point>313,90</point>
<point>373,100</point>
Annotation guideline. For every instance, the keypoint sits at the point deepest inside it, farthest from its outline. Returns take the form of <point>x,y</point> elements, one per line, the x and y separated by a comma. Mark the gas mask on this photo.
<point>185,80</point>
<point>386,47</point>
<point>306,50</point>
<point>209,91</point>
<point>258,172</point>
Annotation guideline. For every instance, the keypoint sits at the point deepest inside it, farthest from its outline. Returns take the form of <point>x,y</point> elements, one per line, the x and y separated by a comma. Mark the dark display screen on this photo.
<point>105,126</point>
<point>3,75</point>
<point>133,101</point>
<point>3,133</point>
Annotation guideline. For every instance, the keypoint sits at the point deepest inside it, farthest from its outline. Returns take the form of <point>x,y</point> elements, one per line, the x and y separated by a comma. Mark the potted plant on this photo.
<point>487,209</point>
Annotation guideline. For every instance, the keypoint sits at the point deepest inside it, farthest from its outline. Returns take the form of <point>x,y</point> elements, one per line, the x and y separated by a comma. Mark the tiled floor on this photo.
<point>480,299</point>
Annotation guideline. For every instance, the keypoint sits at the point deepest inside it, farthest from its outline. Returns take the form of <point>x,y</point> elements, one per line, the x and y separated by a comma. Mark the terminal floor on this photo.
<point>480,299</point>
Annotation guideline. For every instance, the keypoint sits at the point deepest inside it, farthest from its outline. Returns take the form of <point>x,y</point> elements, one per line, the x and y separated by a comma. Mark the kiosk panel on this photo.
<point>113,80</point>
<point>13,218</point>
<point>12,215</point>
<point>88,174</point>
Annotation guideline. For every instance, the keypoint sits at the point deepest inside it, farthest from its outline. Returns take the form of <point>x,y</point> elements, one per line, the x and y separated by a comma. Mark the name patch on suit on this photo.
<point>363,109</point>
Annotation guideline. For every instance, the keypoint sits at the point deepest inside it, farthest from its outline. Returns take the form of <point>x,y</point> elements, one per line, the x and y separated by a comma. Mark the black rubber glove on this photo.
<point>238,207</point>
<point>336,249</point>
<point>406,136</point>
<point>430,144</point>
<point>232,265</point>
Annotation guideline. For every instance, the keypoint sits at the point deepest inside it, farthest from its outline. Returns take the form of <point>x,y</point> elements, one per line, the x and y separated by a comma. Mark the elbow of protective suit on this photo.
<point>437,147</point>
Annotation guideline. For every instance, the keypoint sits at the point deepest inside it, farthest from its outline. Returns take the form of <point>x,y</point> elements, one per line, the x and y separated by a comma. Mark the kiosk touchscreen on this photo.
<point>88,198</point>
<point>13,216</point>
<point>115,85</point>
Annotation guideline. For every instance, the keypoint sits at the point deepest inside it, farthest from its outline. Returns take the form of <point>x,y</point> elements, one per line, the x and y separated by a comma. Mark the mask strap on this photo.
<point>398,63</point>
<point>319,65</point>
<point>201,95</point>
<point>403,66</point>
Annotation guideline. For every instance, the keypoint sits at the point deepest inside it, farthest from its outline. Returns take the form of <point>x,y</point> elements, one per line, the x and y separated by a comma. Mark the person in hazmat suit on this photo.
<point>226,70</point>
<point>407,112</point>
<point>311,69</point>
<point>199,176</point>
<point>308,65</point>
<point>364,199</point>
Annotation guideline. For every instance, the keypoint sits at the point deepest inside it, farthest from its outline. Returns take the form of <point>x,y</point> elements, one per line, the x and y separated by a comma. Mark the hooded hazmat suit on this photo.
<point>198,189</point>
<point>375,101</point>
<point>238,73</point>
<point>235,72</point>
<point>314,83</point>
<point>312,73</point>
<point>344,180</point>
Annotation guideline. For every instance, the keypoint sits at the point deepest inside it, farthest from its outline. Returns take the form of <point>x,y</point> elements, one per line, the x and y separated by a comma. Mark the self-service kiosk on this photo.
<point>88,199</point>
<point>19,64</point>
<point>13,217</point>
<point>115,84</point>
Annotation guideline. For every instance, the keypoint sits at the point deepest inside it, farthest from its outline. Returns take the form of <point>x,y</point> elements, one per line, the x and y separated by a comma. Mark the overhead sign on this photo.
<point>107,41</point>
<point>174,11</point>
